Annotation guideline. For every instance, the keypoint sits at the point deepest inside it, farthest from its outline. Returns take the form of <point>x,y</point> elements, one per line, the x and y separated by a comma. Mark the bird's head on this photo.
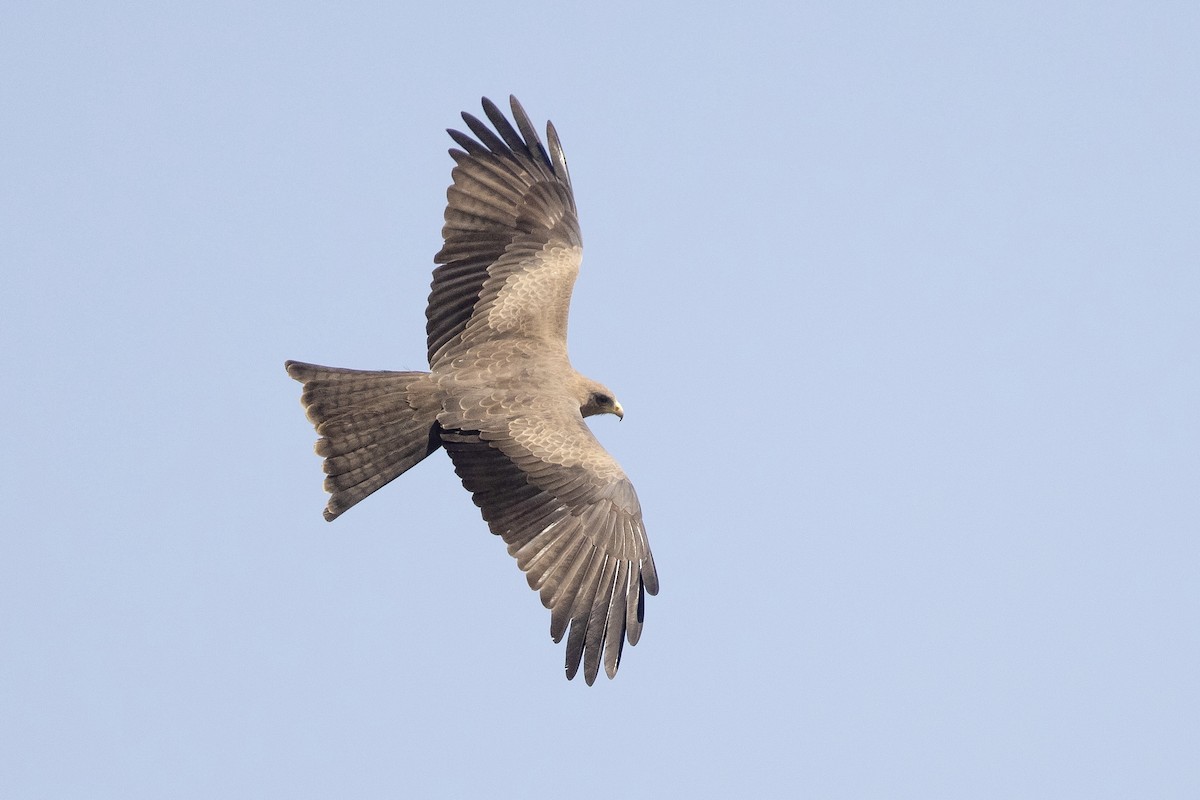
<point>598,399</point>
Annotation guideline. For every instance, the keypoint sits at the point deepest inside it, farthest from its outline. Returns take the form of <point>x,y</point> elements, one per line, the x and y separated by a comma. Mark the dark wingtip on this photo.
<point>333,510</point>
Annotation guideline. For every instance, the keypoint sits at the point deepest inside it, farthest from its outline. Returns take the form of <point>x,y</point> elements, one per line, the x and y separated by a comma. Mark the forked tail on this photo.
<point>374,425</point>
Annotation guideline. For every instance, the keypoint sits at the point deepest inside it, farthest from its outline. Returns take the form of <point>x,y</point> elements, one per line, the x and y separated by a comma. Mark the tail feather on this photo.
<point>344,434</point>
<point>374,425</point>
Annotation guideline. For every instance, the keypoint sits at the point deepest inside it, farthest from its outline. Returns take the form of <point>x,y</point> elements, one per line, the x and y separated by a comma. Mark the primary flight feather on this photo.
<point>501,396</point>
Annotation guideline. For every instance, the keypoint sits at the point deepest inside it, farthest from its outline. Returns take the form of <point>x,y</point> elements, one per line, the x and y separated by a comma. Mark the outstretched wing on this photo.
<point>512,245</point>
<point>569,516</point>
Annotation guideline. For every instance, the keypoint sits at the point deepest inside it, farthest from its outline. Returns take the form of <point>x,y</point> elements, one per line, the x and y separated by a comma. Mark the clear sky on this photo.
<point>902,302</point>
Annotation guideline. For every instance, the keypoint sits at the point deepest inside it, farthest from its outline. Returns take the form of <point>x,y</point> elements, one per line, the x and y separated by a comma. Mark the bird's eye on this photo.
<point>602,400</point>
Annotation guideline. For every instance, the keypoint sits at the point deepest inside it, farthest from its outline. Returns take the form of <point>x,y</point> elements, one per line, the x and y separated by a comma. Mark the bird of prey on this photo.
<point>501,396</point>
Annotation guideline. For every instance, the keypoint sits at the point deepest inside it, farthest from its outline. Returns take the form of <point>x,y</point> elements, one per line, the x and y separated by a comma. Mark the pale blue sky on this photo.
<point>903,305</point>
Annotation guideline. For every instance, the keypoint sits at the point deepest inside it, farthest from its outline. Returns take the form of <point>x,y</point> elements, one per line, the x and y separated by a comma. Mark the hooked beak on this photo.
<point>620,412</point>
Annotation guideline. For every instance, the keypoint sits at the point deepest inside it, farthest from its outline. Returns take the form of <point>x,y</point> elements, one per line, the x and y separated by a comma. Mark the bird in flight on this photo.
<point>501,396</point>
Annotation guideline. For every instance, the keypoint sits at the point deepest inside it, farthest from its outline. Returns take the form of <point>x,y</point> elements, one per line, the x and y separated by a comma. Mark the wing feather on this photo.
<point>581,612</point>
<point>614,641</point>
<point>599,619</point>
<point>563,600</point>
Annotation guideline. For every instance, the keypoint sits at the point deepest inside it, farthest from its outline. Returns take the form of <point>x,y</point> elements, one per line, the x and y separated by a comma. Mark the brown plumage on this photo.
<point>502,398</point>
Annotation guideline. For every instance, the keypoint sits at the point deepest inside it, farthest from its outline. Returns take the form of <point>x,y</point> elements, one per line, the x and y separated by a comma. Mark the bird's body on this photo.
<point>502,397</point>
